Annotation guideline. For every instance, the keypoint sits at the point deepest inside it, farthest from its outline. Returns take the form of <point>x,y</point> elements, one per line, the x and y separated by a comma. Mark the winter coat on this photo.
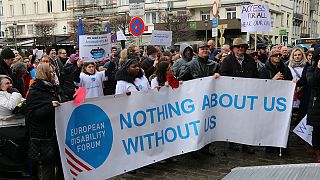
<point>230,66</point>
<point>141,83</point>
<point>305,95</point>
<point>5,70</point>
<point>270,70</point>
<point>67,76</point>
<point>179,66</point>
<point>8,102</point>
<point>40,113</point>
<point>199,68</point>
<point>58,65</point>
<point>313,78</point>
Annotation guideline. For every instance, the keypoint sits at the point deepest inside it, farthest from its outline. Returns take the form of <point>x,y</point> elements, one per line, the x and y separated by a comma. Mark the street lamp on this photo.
<point>15,34</point>
<point>206,25</point>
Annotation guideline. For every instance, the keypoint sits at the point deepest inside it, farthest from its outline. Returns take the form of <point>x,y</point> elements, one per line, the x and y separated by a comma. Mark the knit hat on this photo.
<point>202,44</point>
<point>261,46</point>
<point>49,49</point>
<point>151,50</point>
<point>7,53</point>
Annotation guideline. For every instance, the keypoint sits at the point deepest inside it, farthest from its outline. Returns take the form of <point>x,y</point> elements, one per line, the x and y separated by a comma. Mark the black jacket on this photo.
<point>231,67</point>
<point>67,79</point>
<point>270,70</point>
<point>199,68</point>
<point>313,78</point>
<point>40,113</point>
<point>306,92</point>
<point>5,70</point>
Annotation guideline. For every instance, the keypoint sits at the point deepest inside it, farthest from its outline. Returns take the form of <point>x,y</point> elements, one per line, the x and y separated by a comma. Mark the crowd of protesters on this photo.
<point>34,87</point>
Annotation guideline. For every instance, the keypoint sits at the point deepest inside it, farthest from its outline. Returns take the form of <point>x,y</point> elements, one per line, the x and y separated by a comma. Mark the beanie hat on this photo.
<point>151,50</point>
<point>7,53</point>
<point>49,49</point>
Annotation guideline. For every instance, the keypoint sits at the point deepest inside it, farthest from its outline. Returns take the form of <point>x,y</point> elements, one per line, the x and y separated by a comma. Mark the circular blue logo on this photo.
<point>89,134</point>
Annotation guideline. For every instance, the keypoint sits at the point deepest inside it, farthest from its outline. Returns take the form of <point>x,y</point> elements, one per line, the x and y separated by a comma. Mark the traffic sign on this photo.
<point>113,38</point>
<point>214,32</point>
<point>215,22</point>
<point>215,8</point>
<point>136,26</point>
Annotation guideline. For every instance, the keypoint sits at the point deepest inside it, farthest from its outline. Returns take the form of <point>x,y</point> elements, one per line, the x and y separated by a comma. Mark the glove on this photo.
<point>12,90</point>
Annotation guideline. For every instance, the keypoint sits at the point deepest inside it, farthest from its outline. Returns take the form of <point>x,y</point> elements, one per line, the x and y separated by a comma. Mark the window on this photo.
<point>49,3</point>
<point>288,16</point>
<point>64,5</point>
<point>23,9</point>
<point>30,29</point>
<point>35,4</point>
<point>148,18</point>
<point>154,18</point>
<point>205,15</point>
<point>11,10</point>
<point>123,2</point>
<point>21,30</point>
<point>231,13</point>
<point>1,11</point>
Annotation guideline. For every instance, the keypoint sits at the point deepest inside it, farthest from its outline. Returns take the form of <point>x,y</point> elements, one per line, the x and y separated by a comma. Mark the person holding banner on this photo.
<point>92,79</point>
<point>130,78</point>
<point>313,115</point>
<point>164,76</point>
<point>239,64</point>
<point>186,56</point>
<point>202,66</point>
<point>44,97</point>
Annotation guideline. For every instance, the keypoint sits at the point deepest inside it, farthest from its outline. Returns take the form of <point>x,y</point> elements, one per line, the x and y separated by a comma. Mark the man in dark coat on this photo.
<point>150,62</point>
<point>52,53</point>
<point>202,66</point>
<point>6,60</point>
<point>180,64</point>
<point>262,53</point>
<point>239,64</point>
<point>275,68</point>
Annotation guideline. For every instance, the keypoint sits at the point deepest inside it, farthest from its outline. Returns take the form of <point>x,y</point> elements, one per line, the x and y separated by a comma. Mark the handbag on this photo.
<point>42,149</point>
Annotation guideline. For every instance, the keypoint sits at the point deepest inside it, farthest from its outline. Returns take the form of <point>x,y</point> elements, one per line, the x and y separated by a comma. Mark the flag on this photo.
<point>80,29</point>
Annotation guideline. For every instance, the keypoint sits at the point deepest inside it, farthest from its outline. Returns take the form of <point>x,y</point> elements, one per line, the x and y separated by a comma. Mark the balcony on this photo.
<point>298,16</point>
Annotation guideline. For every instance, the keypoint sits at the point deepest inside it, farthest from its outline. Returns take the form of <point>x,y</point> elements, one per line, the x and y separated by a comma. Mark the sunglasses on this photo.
<point>276,55</point>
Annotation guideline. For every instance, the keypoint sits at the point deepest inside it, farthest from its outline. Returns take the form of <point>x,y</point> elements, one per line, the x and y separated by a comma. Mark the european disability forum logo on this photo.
<point>89,139</point>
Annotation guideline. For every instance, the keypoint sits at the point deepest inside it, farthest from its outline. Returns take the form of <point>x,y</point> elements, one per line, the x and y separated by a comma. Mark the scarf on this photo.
<point>295,64</point>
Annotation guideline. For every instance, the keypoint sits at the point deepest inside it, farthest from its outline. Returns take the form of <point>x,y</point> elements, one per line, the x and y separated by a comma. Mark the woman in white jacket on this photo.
<point>130,78</point>
<point>8,102</point>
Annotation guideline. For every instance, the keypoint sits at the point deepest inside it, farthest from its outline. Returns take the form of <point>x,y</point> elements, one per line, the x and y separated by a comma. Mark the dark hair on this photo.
<point>123,74</point>
<point>87,64</point>
<point>315,57</point>
<point>161,72</point>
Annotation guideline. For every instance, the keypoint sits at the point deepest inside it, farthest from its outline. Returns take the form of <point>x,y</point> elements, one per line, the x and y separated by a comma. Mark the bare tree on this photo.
<point>74,33</point>
<point>179,24</point>
<point>44,32</point>
<point>120,22</point>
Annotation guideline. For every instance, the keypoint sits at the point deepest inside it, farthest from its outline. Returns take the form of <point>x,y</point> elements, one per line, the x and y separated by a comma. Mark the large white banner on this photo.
<point>255,18</point>
<point>95,47</point>
<point>108,136</point>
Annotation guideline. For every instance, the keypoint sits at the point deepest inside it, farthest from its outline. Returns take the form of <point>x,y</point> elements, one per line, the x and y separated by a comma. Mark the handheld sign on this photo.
<point>136,26</point>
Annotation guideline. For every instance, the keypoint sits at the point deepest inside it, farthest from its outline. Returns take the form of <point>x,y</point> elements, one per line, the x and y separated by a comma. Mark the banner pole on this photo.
<point>255,41</point>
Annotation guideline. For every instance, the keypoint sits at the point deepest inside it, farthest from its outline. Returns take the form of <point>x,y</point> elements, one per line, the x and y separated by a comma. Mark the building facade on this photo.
<point>20,16</point>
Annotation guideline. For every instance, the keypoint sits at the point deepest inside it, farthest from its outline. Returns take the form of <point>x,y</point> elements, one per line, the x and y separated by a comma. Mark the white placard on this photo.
<point>161,38</point>
<point>214,32</point>
<point>121,36</point>
<point>136,9</point>
<point>95,47</point>
<point>39,54</point>
<point>108,136</point>
<point>304,131</point>
<point>255,18</point>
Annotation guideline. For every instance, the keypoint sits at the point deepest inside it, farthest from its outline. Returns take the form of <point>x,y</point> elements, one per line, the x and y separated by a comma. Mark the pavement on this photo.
<point>206,166</point>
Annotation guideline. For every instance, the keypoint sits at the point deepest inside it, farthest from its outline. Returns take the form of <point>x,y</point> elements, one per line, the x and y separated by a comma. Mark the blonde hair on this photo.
<point>291,60</point>
<point>123,56</point>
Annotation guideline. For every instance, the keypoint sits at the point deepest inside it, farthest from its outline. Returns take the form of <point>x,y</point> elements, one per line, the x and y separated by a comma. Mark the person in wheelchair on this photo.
<point>13,133</point>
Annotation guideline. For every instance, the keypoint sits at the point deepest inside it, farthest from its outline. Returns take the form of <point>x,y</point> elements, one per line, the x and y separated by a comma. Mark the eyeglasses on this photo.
<point>276,55</point>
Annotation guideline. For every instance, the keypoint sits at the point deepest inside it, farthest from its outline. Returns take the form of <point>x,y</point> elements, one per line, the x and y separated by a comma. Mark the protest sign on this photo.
<point>121,36</point>
<point>255,18</point>
<point>38,54</point>
<point>94,47</point>
<point>108,136</point>
<point>304,131</point>
<point>161,38</point>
